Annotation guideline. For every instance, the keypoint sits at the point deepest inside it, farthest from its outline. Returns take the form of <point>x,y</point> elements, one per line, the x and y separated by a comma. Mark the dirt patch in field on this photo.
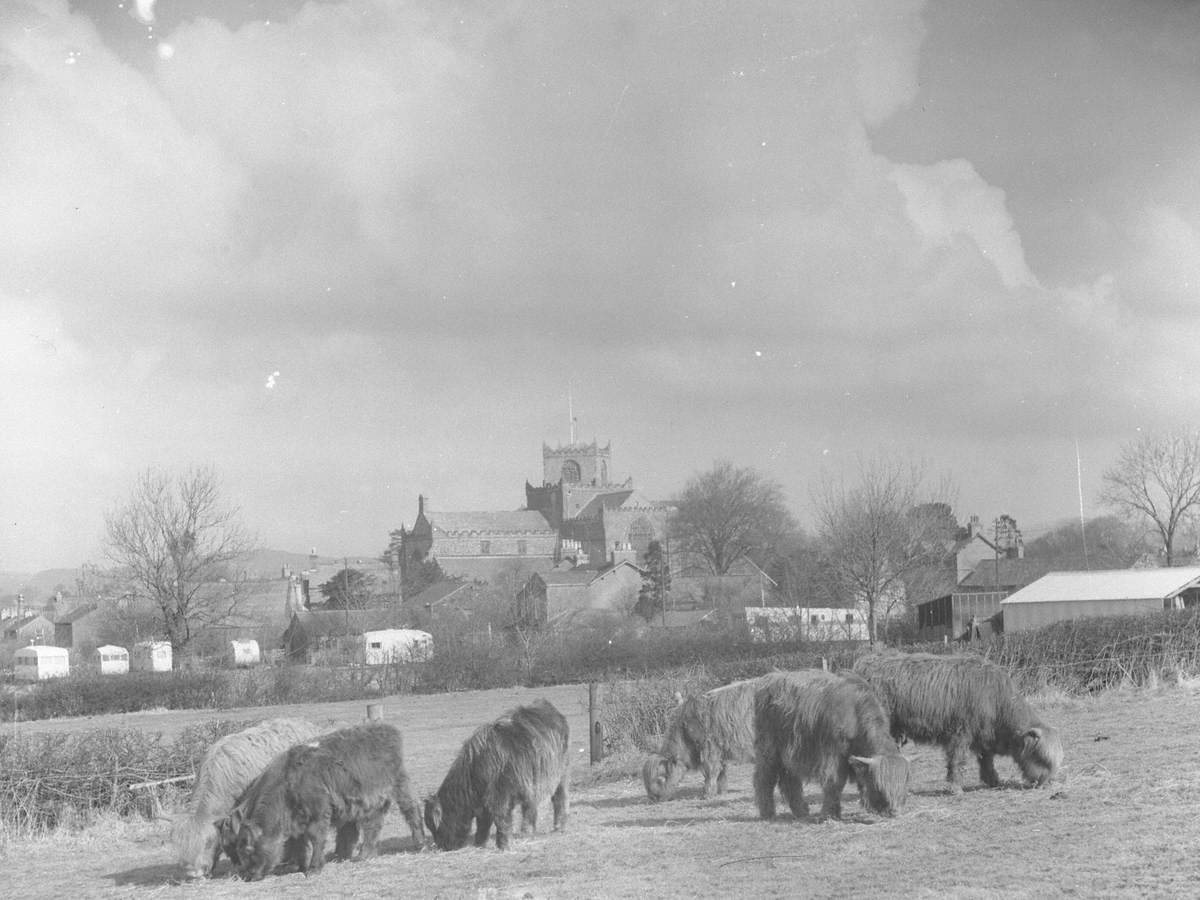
<point>1121,822</point>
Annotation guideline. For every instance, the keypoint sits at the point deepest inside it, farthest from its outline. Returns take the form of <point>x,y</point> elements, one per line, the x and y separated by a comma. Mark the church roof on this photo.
<point>520,521</point>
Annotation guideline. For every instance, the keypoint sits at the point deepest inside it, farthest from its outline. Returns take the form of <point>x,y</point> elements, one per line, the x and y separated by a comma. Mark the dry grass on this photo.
<point>1122,823</point>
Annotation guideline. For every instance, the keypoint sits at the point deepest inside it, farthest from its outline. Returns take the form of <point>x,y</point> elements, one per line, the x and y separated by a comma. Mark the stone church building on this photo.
<point>577,506</point>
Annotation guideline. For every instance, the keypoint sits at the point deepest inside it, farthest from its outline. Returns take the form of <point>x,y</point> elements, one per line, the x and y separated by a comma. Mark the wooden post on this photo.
<point>824,664</point>
<point>374,711</point>
<point>595,729</point>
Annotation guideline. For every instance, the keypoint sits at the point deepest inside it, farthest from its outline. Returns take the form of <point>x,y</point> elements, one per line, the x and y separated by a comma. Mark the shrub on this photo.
<point>52,780</point>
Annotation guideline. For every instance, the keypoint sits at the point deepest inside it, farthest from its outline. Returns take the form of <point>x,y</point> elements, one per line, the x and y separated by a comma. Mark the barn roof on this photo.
<point>993,573</point>
<point>1113,584</point>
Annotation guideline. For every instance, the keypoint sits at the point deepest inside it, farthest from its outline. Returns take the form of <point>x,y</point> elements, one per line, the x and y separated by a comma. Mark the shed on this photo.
<point>245,652</point>
<point>396,645</point>
<point>38,662</point>
<point>1065,596</point>
<point>113,660</point>
<point>151,656</point>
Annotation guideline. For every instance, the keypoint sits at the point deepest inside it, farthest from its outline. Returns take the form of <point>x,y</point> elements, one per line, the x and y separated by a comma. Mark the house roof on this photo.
<point>683,618</point>
<point>436,593</point>
<point>340,621</point>
<point>520,521</point>
<point>75,614</point>
<point>607,500</point>
<point>991,573</point>
<point>1113,584</point>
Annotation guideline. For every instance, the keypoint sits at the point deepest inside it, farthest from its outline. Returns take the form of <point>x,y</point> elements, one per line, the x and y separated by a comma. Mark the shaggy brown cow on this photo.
<point>520,758</point>
<point>346,779</point>
<point>967,705</point>
<point>226,770</point>
<point>707,732</point>
<point>819,726</point>
<point>261,810</point>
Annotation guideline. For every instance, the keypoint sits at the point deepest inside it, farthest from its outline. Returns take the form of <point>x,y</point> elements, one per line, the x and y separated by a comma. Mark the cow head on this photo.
<point>883,782</point>
<point>450,831</point>
<point>1040,755</point>
<point>661,775</point>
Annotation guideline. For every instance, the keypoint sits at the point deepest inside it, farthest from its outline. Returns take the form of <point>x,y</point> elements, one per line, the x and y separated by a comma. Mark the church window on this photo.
<point>485,547</point>
<point>521,548</point>
<point>570,472</point>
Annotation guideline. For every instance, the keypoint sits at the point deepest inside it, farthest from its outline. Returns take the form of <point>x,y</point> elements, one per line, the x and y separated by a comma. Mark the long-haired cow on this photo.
<point>347,780</point>
<point>518,759</point>
<point>819,726</point>
<point>706,732</point>
<point>967,705</point>
<point>226,770</point>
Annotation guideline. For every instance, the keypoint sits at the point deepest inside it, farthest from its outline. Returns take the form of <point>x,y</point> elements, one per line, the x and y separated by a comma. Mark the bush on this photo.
<point>635,714</point>
<point>52,780</point>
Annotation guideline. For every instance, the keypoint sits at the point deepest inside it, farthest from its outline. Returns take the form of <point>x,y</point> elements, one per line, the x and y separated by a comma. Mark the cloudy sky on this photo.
<point>347,252</point>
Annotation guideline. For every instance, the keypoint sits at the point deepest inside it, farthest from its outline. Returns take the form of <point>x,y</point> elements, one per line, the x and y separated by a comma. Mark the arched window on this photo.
<point>570,472</point>
<point>603,472</point>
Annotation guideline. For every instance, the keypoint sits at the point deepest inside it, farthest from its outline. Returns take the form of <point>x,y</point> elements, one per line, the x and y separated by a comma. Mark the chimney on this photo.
<point>420,504</point>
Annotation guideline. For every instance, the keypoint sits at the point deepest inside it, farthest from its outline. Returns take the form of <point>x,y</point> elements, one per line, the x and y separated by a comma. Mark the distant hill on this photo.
<point>265,565</point>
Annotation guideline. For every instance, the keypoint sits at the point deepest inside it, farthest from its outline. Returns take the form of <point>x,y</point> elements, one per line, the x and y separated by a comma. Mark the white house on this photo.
<point>38,662</point>
<point>805,623</point>
<point>396,645</point>
<point>1065,596</point>
<point>113,660</point>
<point>151,656</point>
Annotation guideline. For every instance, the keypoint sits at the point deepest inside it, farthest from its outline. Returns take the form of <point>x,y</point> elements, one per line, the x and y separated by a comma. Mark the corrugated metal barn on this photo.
<point>1065,596</point>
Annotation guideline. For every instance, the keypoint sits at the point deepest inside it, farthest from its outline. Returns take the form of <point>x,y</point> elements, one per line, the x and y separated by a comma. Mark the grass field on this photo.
<point>1124,821</point>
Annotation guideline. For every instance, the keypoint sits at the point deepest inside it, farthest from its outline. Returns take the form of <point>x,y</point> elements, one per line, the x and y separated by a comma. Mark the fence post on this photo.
<point>374,711</point>
<point>595,729</point>
<point>824,664</point>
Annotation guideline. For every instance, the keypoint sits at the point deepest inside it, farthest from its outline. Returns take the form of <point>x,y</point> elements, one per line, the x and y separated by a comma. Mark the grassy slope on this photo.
<point>1122,823</point>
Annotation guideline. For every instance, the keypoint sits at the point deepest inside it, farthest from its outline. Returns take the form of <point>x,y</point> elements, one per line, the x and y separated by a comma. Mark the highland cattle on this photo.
<point>706,732</point>
<point>346,780</point>
<point>967,705</point>
<point>518,759</point>
<point>260,833</point>
<point>822,727</point>
<point>226,770</point>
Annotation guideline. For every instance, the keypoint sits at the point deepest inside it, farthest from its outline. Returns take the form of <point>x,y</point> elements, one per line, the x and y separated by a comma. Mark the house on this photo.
<point>151,656</point>
<point>35,629</point>
<point>744,585</point>
<point>332,635</point>
<point>975,602</point>
<point>975,548</point>
<point>448,604</point>
<point>547,598</point>
<point>79,626</point>
<point>1066,596</point>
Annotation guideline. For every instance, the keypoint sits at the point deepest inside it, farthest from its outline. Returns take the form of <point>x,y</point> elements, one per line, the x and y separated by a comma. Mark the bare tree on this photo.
<point>730,513</point>
<point>876,534</point>
<point>1156,479</point>
<point>177,543</point>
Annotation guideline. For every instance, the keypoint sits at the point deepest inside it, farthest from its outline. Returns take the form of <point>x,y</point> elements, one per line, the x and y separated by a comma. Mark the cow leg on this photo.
<point>831,803</point>
<point>370,828</point>
<point>792,787</point>
<point>483,827</point>
<point>766,776</point>
<point>956,752</point>
<point>561,805</point>
<point>529,817</point>
<point>504,826</point>
<point>412,814</point>
<point>316,837</point>
<point>347,841</point>
<point>722,781</point>
<point>987,770</point>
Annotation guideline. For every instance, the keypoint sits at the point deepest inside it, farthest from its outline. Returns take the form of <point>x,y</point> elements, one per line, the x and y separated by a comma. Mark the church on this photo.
<point>578,513</point>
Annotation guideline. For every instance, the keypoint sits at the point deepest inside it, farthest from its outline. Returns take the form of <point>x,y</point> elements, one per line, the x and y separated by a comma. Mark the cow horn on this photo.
<point>866,762</point>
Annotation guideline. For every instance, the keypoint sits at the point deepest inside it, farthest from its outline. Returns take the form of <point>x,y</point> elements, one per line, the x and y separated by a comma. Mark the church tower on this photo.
<point>577,464</point>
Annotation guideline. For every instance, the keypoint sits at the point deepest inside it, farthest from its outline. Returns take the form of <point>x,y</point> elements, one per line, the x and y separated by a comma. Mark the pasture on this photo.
<point>1122,822</point>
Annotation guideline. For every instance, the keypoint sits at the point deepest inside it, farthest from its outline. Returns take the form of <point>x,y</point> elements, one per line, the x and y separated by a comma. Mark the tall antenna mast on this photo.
<point>1079,483</point>
<point>571,411</point>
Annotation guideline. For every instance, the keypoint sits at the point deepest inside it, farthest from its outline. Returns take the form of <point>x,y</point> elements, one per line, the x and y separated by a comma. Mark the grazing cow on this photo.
<point>819,726</point>
<point>520,758</point>
<point>347,780</point>
<point>965,704</point>
<point>226,770</point>
<point>259,833</point>
<point>706,732</point>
